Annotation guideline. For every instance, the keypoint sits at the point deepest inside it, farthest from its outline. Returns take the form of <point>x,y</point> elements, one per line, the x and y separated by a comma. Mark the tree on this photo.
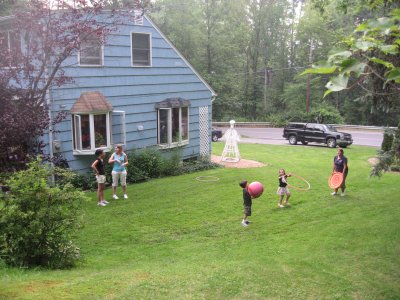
<point>369,60</point>
<point>32,56</point>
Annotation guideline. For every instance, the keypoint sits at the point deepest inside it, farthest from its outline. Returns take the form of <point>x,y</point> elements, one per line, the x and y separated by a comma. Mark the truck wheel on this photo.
<point>331,142</point>
<point>304,142</point>
<point>292,140</point>
<point>214,138</point>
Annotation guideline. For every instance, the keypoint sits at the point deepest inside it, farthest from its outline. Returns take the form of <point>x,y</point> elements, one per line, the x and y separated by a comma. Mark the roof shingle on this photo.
<point>91,102</point>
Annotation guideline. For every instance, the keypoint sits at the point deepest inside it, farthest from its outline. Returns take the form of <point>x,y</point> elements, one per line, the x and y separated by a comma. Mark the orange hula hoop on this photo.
<point>297,188</point>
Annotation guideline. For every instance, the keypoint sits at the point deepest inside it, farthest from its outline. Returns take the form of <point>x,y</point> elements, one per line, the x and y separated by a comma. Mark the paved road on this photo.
<point>274,136</point>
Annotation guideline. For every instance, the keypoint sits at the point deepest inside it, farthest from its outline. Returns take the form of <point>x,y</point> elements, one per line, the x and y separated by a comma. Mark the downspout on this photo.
<point>49,101</point>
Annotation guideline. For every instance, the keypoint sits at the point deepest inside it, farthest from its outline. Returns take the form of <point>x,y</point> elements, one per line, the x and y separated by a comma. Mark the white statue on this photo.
<point>231,149</point>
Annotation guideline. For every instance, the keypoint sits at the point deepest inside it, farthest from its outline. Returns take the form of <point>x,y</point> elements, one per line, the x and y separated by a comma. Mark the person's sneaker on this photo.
<point>334,194</point>
<point>343,194</point>
<point>115,197</point>
<point>244,224</point>
<point>105,201</point>
<point>248,222</point>
<point>287,204</point>
<point>101,204</point>
<point>281,206</point>
<point>125,196</point>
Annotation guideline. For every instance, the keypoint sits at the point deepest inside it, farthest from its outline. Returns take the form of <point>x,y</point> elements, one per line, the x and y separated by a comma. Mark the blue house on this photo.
<point>136,90</point>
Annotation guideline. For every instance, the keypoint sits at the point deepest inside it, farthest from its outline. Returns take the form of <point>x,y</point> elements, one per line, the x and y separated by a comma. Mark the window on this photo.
<point>141,49</point>
<point>91,52</point>
<point>95,124</point>
<point>10,45</point>
<point>91,131</point>
<point>173,126</point>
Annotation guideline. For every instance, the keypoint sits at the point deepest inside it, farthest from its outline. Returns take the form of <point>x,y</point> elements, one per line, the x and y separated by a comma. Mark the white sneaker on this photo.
<point>343,194</point>
<point>105,202</point>
<point>244,224</point>
<point>101,204</point>
<point>125,196</point>
<point>115,197</point>
<point>334,194</point>
<point>281,206</point>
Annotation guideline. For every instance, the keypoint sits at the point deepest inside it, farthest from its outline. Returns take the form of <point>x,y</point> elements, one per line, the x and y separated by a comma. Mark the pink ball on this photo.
<point>255,189</point>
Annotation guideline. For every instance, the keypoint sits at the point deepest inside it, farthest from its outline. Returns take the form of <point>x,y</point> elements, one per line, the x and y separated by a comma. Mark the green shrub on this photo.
<point>387,142</point>
<point>145,164</point>
<point>38,221</point>
<point>395,168</point>
<point>396,144</point>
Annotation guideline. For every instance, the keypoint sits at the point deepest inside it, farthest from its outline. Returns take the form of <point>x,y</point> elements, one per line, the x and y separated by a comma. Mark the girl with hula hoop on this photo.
<point>283,189</point>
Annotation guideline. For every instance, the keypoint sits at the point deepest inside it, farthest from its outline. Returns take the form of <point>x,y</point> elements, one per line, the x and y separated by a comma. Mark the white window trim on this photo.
<point>92,149</point>
<point>171,144</point>
<point>151,49</point>
<point>9,46</point>
<point>91,66</point>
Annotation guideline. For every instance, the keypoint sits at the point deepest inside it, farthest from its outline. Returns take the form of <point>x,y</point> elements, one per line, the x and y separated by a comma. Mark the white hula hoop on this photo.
<point>297,188</point>
<point>207,178</point>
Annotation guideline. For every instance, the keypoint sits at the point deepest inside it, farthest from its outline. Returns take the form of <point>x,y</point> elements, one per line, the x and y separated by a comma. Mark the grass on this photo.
<point>179,238</point>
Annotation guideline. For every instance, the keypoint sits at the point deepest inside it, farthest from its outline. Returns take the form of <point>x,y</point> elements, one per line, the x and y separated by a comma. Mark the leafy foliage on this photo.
<point>38,221</point>
<point>389,156</point>
<point>145,164</point>
<point>387,142</point>
<point>372,50</point>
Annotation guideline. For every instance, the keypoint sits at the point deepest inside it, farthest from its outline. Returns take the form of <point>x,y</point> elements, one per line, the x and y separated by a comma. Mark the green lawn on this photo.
<point>179,238</point>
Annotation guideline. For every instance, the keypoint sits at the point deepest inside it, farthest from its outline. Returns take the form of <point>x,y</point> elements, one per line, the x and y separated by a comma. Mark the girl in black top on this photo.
<point>282,189</point>
<point>98,167</point>
<point>340,165</point>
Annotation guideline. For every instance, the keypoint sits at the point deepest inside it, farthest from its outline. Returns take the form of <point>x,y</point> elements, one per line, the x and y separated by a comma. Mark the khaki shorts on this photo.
<point>118,176</point>
<point>101,178</point>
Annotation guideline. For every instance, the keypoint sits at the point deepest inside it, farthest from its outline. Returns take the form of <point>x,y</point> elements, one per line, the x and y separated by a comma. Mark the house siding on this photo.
<point>134,90</point>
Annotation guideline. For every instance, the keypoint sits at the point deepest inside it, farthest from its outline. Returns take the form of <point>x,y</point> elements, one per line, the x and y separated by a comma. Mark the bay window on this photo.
<point>173,126</point>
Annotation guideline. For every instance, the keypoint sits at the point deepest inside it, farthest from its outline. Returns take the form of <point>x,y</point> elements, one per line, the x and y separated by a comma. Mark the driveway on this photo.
<point>273,136</point>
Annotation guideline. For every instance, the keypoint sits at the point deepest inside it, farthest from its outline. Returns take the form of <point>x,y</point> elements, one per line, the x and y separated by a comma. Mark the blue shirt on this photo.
<point>118,166</point>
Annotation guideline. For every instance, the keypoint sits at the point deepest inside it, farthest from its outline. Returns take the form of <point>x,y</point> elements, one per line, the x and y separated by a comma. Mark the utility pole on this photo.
<point>265,88</point>
<point>309,78</point>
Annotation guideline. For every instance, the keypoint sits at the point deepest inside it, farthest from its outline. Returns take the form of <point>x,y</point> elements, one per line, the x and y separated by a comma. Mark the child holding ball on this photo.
<point>282,189</point>
<point>246,203</point>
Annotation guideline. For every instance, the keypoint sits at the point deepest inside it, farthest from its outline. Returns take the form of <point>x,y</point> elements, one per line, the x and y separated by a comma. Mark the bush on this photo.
<point>324,115</point>
<point>395,168</point>
<point>38,221</point>
<point>387,142</point>
<point>145,164</point>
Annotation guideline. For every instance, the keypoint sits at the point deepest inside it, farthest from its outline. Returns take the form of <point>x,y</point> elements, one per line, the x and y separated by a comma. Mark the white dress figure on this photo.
<point>231,149</point>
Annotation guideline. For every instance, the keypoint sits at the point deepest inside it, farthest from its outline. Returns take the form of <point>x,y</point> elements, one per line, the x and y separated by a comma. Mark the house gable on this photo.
<point>133,92</point>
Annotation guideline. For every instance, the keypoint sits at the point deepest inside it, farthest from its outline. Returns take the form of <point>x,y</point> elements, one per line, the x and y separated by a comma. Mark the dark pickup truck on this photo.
<point>316,133</point>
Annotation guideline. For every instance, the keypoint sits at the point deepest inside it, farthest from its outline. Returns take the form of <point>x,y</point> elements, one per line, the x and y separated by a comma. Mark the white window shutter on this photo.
<point>118,127</point>
<point>78,135</point>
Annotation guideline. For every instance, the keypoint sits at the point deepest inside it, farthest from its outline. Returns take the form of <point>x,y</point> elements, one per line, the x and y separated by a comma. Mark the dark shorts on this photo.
<point>247,210</point>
